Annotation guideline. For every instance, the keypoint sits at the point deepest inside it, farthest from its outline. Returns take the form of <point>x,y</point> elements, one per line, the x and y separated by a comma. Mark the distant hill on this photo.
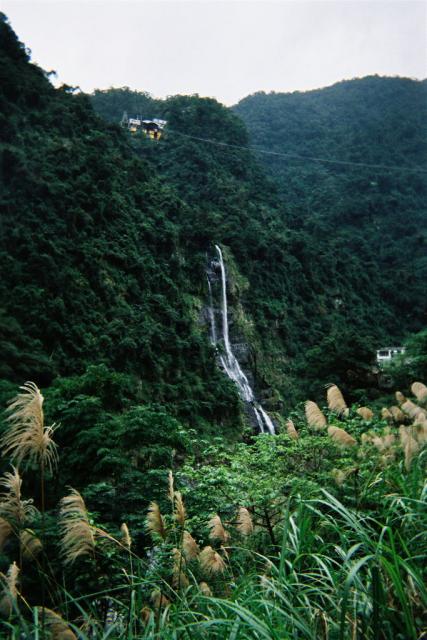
<point>370,215</point>
<point>340,259</point>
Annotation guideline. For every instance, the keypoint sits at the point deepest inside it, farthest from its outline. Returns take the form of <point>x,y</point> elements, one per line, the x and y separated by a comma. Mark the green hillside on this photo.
<point>362,210</point>
<point>326,248</point>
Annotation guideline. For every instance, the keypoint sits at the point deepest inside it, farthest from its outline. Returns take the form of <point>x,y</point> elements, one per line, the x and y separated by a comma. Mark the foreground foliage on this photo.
<point>300,535</point>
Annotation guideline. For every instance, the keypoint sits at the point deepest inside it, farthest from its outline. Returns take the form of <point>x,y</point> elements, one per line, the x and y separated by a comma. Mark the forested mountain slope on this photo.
<point>93,260</point>
<point>361,209</point>
<point>335,254</point>
<point>106,238</point>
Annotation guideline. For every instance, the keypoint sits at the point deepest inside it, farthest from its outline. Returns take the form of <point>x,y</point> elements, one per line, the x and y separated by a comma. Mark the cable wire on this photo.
<point>219,143</point>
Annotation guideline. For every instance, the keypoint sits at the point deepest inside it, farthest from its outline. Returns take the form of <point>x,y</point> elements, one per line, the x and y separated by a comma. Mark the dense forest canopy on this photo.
<point>361,209</point>
<point>341,244</point>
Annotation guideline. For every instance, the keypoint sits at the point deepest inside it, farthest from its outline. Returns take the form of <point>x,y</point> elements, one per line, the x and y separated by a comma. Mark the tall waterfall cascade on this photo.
<point>228,360</point>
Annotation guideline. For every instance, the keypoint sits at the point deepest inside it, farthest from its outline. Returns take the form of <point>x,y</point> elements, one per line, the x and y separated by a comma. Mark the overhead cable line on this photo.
<point>219,143</point>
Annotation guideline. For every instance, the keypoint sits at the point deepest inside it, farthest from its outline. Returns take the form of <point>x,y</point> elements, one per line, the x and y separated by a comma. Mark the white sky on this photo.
<point>225,49</point>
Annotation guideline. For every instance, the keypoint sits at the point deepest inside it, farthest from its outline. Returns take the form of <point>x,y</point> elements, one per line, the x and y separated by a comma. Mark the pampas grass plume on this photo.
<point>58,628</point>
<point>291,431</point>
<point>421,431</point>
<point>28,438</point>
<point>341,437</point>
<point>159,600</point>
<point>10,591</point>
<point>365,412</point>
<point>77,532</point>
<point>400,398</point>
<point>146,614</point>
<point>211,561</point>
<point>12,507</point>
<point>126,538</point>
<point>315,417</point>
<point>171,490</point>
<point>217,531</point>
<point>336,402</point>
<point>154,522</point>
<point>244,525</point>
<point>190,547</point>
<point>420,391</point>
<point>339,476</point>
<point>409,444</point>
<point>205,589</point>
<point>386,415</point>
<point>412,410</point>
<point>180,513</point>
<point>397,413</point>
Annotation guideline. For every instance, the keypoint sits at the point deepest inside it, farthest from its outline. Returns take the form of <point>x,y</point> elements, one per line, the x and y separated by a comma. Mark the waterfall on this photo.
<point>268,421</point>
<point>211,315</point>
<point>228,360</point>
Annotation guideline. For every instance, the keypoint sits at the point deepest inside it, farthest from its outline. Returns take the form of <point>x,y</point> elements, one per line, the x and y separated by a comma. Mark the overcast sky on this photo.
<point>222,49</point>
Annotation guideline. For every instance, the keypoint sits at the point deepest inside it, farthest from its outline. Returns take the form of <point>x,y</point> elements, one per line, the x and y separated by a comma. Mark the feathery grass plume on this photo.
<point>397,413</point>
<point>315,417</point>
<point>154,521</point>
<point>56,625</point>
<point>386,415</point>
<point>386,459</point>
<point>366,438</point>
<point>211,561</point>
<point>420,391</point>
<point>146,614</point>
<point>205,589</point>
<point>190,547</point>
<point>180,514</point>
<point>12,507</point>
<point>179,579</point>
<point>291,431</point>
<point>10,591</point>
<point>400,398</point>
<point>159,600</point>
<point>341,437</point>
<point>420,429</point>
<point>409,444</point>
<point>404,433</point>
<point>420,419</point>
<point>412,410</point>
<point>365,412</point>
<point>244,525</point>
<point>126,539</point>
<point>339,476</point>
<point>386,441</point>
<point>30,544</point>
<point>5,531</point>
<point>28,438</point>
<point>217,531</point>
<point>336,402</point>
<point>78,536</point>
<point>171,490</point>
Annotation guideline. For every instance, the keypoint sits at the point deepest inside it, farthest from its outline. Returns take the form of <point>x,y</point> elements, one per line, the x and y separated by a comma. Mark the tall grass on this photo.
<point>350,567</point>
<point>337,575</point>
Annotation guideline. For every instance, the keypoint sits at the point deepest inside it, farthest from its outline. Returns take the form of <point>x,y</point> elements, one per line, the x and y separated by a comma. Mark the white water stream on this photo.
<point>228,359</point>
